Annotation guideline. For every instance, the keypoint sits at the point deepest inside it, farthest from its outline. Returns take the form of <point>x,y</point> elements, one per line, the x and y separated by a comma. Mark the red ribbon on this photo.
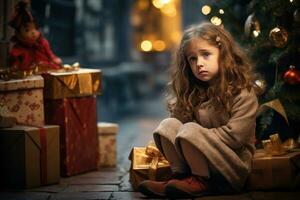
<point>43,153</point>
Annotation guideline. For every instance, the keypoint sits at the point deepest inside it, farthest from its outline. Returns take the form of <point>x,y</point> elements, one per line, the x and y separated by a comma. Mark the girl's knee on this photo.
<point>171,122</point>
<point>188,128</point>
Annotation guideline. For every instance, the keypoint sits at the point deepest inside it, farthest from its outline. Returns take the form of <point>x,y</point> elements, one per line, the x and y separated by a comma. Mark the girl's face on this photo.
<point>203,59</point>
<point>29,32</point>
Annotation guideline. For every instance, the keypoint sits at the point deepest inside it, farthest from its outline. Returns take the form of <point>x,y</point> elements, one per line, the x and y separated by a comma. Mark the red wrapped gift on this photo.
<point>77,119</point>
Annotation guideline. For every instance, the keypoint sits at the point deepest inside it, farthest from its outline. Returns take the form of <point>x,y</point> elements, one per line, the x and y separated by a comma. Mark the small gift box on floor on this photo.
<point>147,163</point>
<point>107,133</point>
<point>275,172</point>
<point>23,100</point>
<point>29,156</point>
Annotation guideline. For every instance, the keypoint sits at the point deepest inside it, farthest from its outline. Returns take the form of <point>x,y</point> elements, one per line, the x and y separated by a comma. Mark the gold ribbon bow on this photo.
<point>274,147</point>
<point>154,157</point>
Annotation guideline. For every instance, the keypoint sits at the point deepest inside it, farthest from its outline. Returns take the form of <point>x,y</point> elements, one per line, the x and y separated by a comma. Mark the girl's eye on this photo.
<point>192,59</point>
<point>206,54</point>
<point>27,30</point>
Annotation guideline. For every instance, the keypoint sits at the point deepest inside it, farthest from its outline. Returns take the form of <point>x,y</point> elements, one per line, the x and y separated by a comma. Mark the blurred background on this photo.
<point>133,42</point>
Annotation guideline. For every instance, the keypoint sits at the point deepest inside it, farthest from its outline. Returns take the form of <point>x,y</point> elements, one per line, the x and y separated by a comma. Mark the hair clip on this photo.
<point>218,39</point>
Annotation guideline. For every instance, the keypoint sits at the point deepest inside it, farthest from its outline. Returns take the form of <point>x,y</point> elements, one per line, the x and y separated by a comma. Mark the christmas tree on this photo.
<point>269,30</point>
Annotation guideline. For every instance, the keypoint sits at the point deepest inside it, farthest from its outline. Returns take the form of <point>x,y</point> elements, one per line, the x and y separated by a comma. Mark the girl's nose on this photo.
<point>199,62</point>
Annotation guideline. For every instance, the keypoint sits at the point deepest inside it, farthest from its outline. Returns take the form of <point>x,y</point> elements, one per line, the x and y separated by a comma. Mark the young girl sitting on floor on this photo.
<point>209,138</point>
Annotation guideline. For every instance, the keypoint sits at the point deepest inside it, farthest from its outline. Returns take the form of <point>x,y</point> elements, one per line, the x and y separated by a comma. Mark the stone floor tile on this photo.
<point>126,195</point>
<point>243,196</point>
<point>82,196</point>
<point>24,196</point>
<point>275,195</point>
<point>49,188</point>
<point>125,184</point>
<point>92,181</point>
<point>91,188</point>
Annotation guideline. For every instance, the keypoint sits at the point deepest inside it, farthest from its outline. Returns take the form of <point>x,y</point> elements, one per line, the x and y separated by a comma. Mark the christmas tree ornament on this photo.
<point>292,76</point>
<point>279,37</point>
<point>297,15</point>
<point>259,86</point>
<point>252,26</point>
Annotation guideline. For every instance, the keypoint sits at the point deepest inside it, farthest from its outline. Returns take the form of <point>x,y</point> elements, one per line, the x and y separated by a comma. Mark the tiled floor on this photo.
<point>112,183</point>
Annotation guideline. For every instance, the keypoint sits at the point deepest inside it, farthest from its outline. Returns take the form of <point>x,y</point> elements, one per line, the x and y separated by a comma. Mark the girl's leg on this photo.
<point>178,165</point>
<point>195,159</point>
<point>164,137</point>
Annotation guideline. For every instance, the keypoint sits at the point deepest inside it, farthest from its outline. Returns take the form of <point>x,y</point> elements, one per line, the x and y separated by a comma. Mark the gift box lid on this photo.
<point>21,84</point>
<point>107,128</point>
<point>84,82</point>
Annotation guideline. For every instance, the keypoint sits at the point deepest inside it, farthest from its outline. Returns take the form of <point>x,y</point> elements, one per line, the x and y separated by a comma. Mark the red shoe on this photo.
<point>188,187</point>
<point>153,188</point>
<point>157,188</point>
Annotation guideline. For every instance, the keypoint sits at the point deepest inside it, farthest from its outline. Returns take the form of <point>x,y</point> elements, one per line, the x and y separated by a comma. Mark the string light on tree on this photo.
<point>206,9</point>
<point>216,20</point>
<point>221,11</point>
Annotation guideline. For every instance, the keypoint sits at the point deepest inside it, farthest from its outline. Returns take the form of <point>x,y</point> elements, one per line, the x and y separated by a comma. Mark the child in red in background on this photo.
<point>30,48</point>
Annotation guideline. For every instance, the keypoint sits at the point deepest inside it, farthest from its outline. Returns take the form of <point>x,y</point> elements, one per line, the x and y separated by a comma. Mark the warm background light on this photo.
<point>169,10</point>
<point>143,4</point>
<point>221,11</point>
<point>159,45</point>
<point>146,45</point>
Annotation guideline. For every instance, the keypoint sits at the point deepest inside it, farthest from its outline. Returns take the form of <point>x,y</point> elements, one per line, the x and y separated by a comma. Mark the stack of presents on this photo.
<point>49,128</point>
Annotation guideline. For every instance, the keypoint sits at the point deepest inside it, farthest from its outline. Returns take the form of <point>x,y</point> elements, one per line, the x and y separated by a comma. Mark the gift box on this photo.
<point>107,144</point>
<point>29,156</point>
<point>147,164</point>
<point>77,119</point>
<point>275,172</point>
<point>84,82</point>
<point>23,99</point>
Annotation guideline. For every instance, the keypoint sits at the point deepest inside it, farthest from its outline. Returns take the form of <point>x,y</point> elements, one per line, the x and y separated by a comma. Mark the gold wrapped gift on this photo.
<point>83,82</point>
<point>275,172</point>
<point>147,163</point>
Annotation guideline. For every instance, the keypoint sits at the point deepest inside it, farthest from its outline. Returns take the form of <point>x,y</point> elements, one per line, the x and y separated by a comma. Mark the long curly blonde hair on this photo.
<point>185,91</point>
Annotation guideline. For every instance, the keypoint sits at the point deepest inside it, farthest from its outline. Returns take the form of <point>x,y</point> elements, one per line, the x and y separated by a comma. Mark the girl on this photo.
<point>208,139</point>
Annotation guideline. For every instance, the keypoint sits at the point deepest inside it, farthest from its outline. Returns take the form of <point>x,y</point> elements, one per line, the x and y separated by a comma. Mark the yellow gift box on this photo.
<point>147,163</point>
<point>84,82</point>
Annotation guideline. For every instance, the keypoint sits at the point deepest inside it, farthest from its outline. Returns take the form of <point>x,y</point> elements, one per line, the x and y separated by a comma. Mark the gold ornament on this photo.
<point>252,26</point>
<point>259,86</point>
<point>279,37</point>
